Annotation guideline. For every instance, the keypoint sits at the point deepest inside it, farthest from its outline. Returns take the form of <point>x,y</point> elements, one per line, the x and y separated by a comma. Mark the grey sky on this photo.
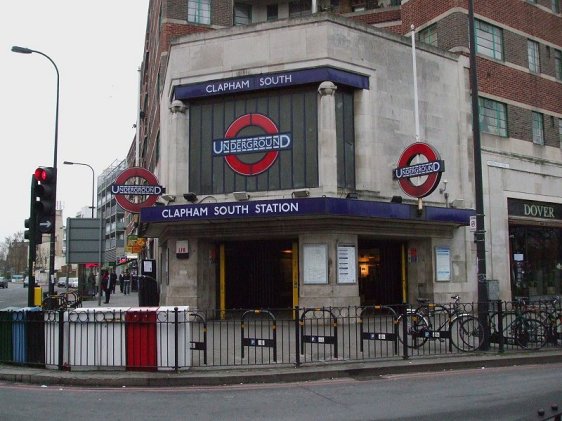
<point>97,47</point>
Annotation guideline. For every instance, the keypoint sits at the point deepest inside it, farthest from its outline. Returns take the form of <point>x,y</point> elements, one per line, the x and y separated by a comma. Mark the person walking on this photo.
<point>106,285</point>
<point>127,283</point>
<point>113,280</point>
<point>121,282</point>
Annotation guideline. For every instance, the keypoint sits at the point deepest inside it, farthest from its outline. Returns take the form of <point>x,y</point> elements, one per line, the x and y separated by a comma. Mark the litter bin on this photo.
<point>96,337</point>
<point>140,331</point>
<point>6,344</point>
<point>166,337</point>
<point>149,296</point>
<point>28,336</point>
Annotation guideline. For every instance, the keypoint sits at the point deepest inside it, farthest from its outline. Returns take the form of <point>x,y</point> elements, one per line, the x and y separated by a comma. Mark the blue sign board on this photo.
<point>317,206</point>
<point>269,81</point>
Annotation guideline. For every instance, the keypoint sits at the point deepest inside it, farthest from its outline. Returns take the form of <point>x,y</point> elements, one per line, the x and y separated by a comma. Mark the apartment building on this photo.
<point>519,69</point>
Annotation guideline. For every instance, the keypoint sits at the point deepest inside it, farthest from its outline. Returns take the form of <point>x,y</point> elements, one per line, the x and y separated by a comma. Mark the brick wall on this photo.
<point>520,86</point>
<point>452,31</point>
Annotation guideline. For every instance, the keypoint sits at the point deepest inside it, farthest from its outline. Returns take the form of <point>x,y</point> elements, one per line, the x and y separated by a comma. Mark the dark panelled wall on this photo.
<point>293,111</point>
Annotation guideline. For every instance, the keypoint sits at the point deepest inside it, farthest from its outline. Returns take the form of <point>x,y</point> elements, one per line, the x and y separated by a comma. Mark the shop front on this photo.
<point>535,234</point>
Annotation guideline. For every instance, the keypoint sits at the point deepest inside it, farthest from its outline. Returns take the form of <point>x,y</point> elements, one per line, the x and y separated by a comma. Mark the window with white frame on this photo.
<point>558,64</point>
<point>489,40</point>
<point>560,130</point>
<point>533,56</point>
<point>492,117</point>
<point>242,14</point>
<point>556,6</point>
<point>538,128</point>
<point>429,35</point>
<point>199,11</point>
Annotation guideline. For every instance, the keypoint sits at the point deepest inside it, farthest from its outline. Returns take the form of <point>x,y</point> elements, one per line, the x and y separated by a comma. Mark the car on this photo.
<point>25,282</point>
<point>61,282</point>
<point>73,282</point>
<point>3,283</point>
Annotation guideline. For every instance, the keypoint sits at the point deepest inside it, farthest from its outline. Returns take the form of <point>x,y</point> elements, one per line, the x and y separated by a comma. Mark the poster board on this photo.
<point>347,264</point>
<point>315,263</point>
<point>442,264</point>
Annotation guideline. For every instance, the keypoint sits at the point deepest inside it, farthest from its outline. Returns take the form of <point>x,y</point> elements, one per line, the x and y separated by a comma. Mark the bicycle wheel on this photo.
<point>530,333</point>
<point>416,326</point>
<point>467,333</point>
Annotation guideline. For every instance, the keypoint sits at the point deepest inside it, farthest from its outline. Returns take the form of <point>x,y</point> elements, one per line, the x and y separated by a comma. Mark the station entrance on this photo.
<point>258,274</point>
<point>381,275</point>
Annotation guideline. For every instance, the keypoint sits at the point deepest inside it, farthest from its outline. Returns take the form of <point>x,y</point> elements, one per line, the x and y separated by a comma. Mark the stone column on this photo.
<point>327,148</point>
<point>175,157</point>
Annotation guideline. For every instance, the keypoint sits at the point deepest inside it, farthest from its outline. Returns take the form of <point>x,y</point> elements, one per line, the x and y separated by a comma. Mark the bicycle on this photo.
<point>519,327</point>
<point>549,312</point>
<point>464,331</point>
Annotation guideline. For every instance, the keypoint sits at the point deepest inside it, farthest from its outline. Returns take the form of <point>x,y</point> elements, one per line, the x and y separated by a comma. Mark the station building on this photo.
<point>277,132</point>
<point>279,146</point>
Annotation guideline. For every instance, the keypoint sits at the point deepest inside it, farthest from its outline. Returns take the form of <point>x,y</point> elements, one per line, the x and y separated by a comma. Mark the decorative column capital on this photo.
<point>327,88</point>
<point>177,106</point>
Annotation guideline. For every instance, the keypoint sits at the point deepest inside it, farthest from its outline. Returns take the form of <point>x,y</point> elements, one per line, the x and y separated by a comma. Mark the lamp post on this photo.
<point>480,234</point>
<point>93,179</point>
<point>100,227</point>
<point>23,50</point>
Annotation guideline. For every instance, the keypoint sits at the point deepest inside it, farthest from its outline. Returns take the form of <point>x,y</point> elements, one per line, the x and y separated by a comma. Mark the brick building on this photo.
<point>519,68</point>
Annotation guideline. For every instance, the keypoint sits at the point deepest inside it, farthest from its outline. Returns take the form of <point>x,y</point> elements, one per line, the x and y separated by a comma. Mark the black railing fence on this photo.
<point>180,338</point>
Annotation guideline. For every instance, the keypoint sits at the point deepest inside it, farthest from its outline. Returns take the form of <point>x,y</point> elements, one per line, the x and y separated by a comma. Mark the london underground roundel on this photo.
<point>426,171</point>
<point>136,181</point>
<point>269,157</point>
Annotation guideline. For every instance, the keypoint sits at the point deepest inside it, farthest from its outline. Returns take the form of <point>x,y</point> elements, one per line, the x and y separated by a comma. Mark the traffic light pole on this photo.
<point>32,252</point>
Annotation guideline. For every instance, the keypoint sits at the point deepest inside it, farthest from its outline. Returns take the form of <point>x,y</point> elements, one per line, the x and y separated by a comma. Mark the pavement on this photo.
<point>215,376</point>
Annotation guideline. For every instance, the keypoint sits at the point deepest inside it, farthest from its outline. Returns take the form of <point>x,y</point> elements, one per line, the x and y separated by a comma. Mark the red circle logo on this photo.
<point>151,185</point>
<point>268,159</point>
<point>431,169</point>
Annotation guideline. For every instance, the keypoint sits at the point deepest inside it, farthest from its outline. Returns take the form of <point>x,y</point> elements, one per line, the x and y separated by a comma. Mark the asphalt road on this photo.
<point>512,393</point>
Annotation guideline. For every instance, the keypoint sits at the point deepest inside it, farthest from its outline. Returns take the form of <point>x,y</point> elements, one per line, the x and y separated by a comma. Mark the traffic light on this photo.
<point>45,200</point>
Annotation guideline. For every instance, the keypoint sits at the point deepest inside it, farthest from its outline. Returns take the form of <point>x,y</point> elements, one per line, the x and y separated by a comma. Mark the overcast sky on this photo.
<point>97,47</point>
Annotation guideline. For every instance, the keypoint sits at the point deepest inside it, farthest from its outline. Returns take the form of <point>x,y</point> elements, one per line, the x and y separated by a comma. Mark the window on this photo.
<point>533,55</point>
<point>429,35</point>
<point>242,14</point>
<point>558,64</point>
<point>560,130</point>
<point>272,12</point>
<point>300,8</point>
<point>199,11</point>
<point>538,128</point>
<point>489,40</point>
<point>493,117</point>
<point>556,6</point>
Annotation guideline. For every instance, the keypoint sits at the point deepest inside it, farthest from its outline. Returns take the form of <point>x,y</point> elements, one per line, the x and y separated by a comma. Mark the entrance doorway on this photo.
<point>380,272</point>
<point>258,274</point>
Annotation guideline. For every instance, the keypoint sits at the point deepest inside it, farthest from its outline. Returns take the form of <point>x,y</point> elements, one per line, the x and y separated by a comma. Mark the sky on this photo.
<point>98,47</point>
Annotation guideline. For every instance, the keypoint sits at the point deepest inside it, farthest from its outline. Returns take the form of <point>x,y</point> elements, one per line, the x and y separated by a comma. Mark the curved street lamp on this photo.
<point>93,179</point>
<point>23,50</point>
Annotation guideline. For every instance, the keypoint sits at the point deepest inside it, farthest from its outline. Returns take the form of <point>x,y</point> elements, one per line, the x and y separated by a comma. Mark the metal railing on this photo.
<point>179,338</point>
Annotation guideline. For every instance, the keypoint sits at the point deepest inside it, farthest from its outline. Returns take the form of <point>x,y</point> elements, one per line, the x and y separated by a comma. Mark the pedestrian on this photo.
<point>91,284</point>
<point>121,282</point>
<point>106,285</point>
<point>127,283</point>
<point>113,280</point>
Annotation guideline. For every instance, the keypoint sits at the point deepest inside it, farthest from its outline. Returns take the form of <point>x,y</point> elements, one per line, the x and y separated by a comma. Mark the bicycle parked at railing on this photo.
<point>519,327</point>
<point>452,322</point>
<point>549,312</point>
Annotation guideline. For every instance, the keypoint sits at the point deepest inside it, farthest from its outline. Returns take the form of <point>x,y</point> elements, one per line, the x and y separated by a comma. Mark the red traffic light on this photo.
<point>45,175</point>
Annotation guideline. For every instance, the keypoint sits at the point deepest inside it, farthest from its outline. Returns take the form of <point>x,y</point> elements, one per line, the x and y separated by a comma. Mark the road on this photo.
<point>513,393</point>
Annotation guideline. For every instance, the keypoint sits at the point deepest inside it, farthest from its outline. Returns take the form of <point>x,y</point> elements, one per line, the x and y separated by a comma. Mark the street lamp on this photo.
<point>23,50</point>
<point>100,227</point>
<point>480,234</point>
<point>93,179</point>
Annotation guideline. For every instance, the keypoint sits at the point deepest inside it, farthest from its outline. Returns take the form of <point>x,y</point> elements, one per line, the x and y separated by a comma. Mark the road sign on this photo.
<point>472,225</point>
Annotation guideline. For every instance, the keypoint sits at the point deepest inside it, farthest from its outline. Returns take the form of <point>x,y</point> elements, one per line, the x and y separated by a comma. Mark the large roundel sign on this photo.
<point>421,178</point>
<point>267,144</point>
<point>136,181</point>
